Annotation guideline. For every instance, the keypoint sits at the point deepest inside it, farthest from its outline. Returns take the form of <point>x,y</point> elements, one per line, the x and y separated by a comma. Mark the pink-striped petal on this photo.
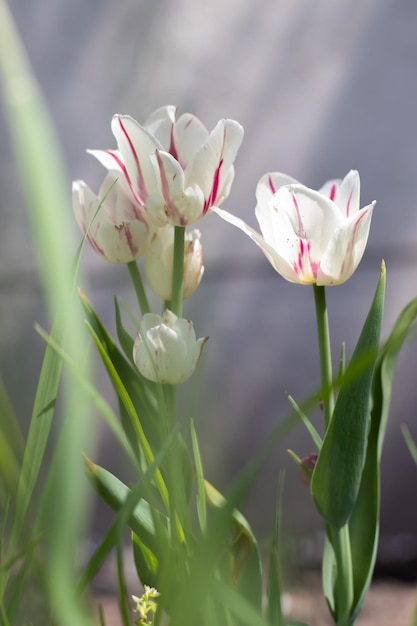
<point>345,249</point>
<point>344,193</point>
<point>135,145</point>
<point>210,167</point>
<point>189,133</point>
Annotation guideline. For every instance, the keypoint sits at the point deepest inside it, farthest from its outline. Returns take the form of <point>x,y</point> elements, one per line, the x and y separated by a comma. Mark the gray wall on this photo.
<point>320,87</point>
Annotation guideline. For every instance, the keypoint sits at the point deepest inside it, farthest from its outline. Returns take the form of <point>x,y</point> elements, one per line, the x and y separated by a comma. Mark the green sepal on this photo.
<point>337,476</point>
<point>364,520</point>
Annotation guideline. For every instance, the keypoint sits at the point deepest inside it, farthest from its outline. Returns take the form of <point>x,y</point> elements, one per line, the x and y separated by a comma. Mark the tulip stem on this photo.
<point>326,369</point>
<point>178,271</point>
<point>339,537</point>
<point>138,286</point>
<point>344,582</point>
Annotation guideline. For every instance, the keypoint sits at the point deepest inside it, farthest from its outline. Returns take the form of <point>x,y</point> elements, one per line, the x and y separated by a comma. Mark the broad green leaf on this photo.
<point>140,515</point>
<point>328,576</point>
<point>127,402</point>
<point>337,476</point>
<point>141,392</point>
<point>364,520</point>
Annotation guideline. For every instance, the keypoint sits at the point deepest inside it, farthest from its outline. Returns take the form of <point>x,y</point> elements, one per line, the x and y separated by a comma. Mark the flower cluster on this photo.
<point>146,606</point>
<point>170,172</point>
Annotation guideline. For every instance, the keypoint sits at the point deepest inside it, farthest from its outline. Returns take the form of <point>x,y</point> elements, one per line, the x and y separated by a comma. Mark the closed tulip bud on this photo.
<point>166,349</point>
<point>159,257</point>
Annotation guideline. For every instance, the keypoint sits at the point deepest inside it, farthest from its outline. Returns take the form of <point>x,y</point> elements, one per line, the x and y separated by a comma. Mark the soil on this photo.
<point>387,604</point>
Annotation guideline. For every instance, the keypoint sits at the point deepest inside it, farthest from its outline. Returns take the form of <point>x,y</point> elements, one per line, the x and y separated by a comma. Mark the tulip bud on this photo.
<point>159,260</point>
<point>306,468</point>
<point>166,349</point>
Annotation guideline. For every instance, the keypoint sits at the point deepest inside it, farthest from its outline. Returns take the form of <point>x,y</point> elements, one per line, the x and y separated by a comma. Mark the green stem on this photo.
<point>325,353</point>
<point>339,537</point>
<point>344,582</point>
<point>138,286</point>
<point>175,481</point>
<point>178,271</point>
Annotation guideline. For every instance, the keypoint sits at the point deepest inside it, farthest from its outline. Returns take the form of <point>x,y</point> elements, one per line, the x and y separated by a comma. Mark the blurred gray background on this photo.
<point>320,87</point>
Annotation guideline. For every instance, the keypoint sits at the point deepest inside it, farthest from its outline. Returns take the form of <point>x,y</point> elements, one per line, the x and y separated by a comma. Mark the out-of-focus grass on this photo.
<point>47,194</point>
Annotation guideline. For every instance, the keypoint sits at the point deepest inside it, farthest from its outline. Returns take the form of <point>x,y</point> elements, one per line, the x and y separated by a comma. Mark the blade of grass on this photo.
<point>45,186</point>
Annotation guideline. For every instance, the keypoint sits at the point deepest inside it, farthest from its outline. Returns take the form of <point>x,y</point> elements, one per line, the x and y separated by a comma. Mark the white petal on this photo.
<point>136,145</point>
<point>189,134</point>
<point>300,214</point>
<point>170,175</point>
<point>124,243</point>
<point>210,167</point>
<point>267,186</point>
<point>174,205</point>
<point>270,183</point>
<point>346,248</point>
<point>345,193</point>
<point>160,124</point>
<point>112,160</point>
<point>279,263</point>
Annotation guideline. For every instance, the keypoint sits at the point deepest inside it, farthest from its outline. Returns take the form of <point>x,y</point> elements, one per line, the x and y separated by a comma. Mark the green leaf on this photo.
<point>140,516</point>
<point>312,431</point>
<point>130,408</point>
<point>239,606</point>
<point>11,448</point>
<point>246,568</point>
<point>84,384</point>
<point>337,476</point>
<point>364,520</point>
<point>201,495</point>
<point>274,588</point>
<point>123,374</point>
<point>146,562</point>
<point>39,429</point>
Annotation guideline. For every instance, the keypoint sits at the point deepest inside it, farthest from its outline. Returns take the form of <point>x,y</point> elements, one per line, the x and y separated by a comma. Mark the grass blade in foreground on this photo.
<point>50,218</point>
